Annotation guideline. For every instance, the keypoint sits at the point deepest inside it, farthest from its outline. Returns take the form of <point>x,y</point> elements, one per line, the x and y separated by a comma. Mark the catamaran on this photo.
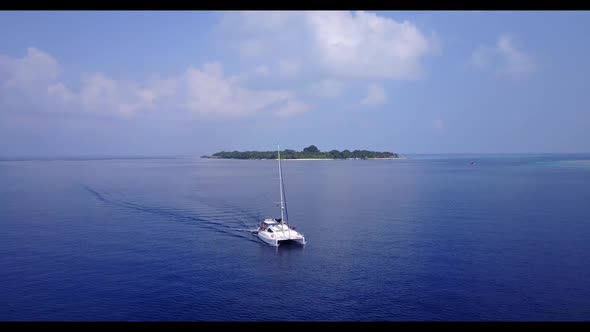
<point>275,231</point>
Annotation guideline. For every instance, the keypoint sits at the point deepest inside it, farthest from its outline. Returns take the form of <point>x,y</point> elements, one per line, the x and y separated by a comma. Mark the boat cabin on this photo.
<point>269,222</point>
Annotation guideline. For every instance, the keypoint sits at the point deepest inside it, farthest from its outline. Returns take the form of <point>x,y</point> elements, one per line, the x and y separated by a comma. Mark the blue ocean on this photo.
<point>431,237</point>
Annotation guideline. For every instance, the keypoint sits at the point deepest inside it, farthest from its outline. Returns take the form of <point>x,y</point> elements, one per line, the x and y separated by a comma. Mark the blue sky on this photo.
<point>193,83</point>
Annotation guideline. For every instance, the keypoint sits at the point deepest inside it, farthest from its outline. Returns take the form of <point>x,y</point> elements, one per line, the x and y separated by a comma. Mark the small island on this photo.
<point>309,153</point>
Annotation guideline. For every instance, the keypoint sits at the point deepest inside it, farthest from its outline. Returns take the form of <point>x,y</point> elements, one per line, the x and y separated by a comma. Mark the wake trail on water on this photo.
<point>218,221</point>
<point>245,217</point>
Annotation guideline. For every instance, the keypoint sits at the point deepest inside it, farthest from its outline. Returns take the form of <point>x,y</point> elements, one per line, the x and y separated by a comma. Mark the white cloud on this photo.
<point>61,92</point>
<point>320,49</point>
<point>97,91</point>
<point>375,96</point>
<point>504,58</point>
<point>100,93</point>
<point>327,88</point>
<point>366,45</point>
<point>162,87</point>
<point>292,107</point>
<point>341,45</point>
<point>24,81</point>
<point>34,79</point>
<point>33,69</point>
<point>210,92</point>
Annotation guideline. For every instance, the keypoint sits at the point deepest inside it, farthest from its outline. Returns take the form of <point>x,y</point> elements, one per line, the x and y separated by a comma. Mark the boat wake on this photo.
<point>214,216</point>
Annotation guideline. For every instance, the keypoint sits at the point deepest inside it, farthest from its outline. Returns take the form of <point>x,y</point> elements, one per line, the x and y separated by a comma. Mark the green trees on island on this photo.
<point>310,152</point>
<point>311,149</point>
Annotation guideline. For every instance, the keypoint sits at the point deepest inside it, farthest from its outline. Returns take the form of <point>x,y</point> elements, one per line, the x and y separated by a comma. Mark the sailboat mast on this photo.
<point>281,185</point>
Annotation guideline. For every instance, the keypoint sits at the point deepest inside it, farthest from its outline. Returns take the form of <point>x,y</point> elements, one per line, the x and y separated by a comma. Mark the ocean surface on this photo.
<point>428,238</point>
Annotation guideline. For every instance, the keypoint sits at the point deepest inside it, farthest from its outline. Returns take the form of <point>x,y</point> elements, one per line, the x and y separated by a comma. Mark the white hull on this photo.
<point>275,243</point>
<point>275,234</point>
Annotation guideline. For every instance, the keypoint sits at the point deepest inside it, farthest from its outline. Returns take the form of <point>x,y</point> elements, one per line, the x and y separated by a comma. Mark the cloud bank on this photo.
<point>204,91</point>
<point>321,51</point>
<point>504,58</point>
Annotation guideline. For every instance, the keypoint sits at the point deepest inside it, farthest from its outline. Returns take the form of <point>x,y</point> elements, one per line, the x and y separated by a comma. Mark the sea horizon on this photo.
<point>199,156</point>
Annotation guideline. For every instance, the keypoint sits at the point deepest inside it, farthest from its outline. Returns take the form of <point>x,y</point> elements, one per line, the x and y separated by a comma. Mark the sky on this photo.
<point>85,83</point>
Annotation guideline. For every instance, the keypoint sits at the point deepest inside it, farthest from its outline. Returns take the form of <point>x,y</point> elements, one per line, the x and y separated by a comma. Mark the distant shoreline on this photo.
<point>309,153</point>
<point>307,159</point>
